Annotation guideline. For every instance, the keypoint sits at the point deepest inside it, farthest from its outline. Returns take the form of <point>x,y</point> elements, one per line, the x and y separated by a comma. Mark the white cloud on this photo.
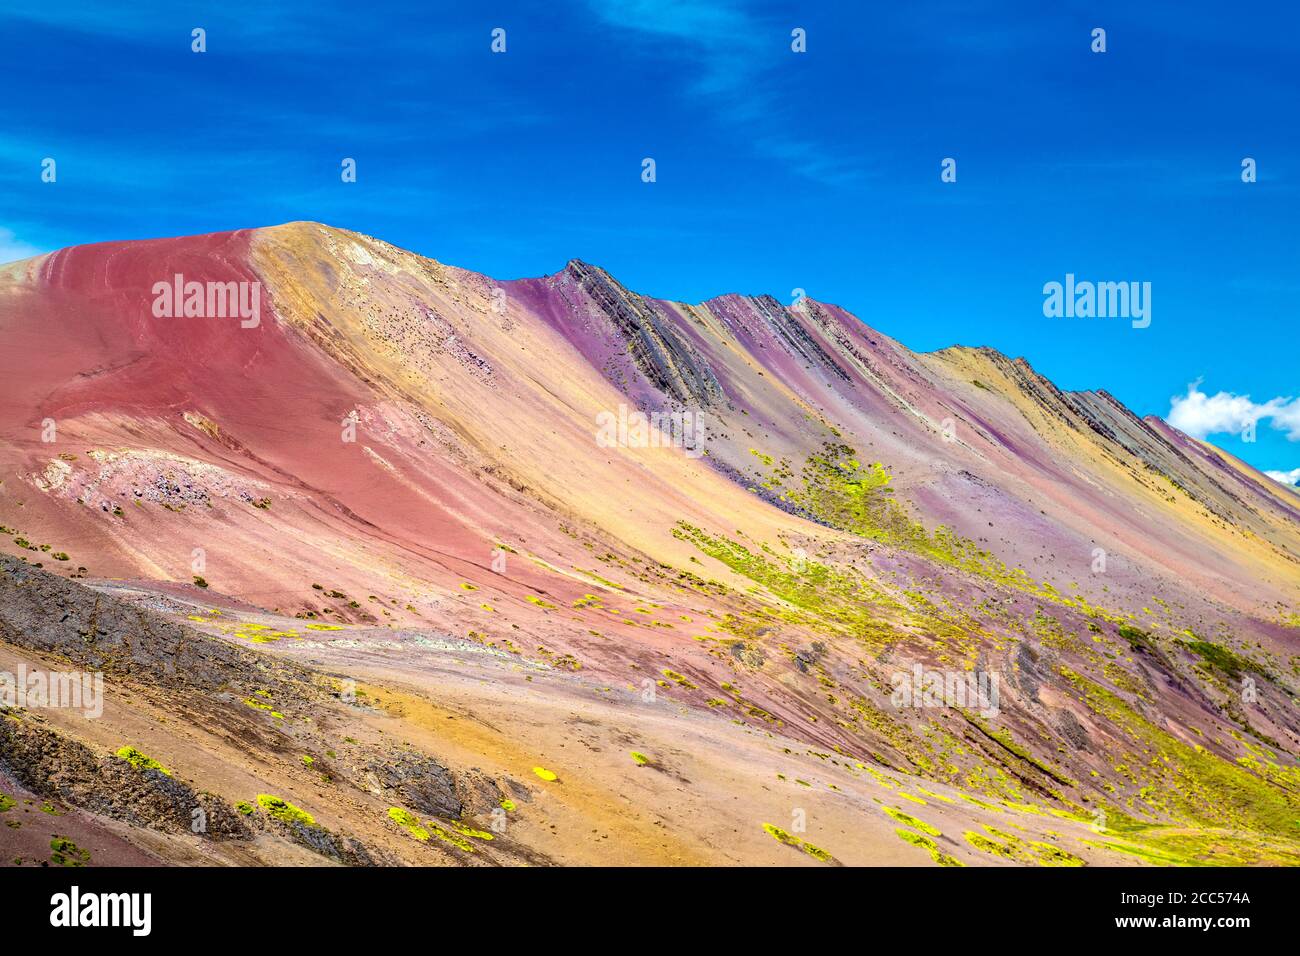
<point>1291,477</point>
<point>1226,413</point>
<point>1287,418</point>
<point>11,250</point>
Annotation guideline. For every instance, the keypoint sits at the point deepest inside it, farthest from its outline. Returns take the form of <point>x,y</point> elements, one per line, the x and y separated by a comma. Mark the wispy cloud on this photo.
<point>721,36</point>
<point>733,52</point>
<point>1226,413</point>
<point>12,249</point>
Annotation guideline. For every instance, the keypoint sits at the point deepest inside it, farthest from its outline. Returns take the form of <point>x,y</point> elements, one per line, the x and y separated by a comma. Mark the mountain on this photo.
<point>724,571</point>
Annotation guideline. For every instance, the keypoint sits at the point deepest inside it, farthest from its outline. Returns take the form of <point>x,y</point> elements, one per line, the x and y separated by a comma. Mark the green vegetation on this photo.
<point>66,853</point>
<point>781,836</point>
<point>678,679</point>
<point>284,811</point>
<point>911,821</point>
<point>141,761</point>
<point>842,492</point>
<point>258,705</point>
<point>1137,638</point>
<point>1008,846</point>
<point>1220,658</point>
<point>1003,738</point>
<point>466,830</point>
<point>927,844</point>
<point>817,594</point>
<point>451,839</point>
<point>1192,784</point>
<point>409,822</point>
<point>838,490</point>
<point>453,833</point>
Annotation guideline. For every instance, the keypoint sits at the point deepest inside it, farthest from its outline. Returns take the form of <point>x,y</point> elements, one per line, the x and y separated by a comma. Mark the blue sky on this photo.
<point>775,170</point>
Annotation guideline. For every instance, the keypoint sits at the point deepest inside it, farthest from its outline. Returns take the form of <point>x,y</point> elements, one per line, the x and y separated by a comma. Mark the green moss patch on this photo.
<point>925,843</point>
<point>1221,658</point>
<point>63,852</point>
<point>141,761</point>
<point>908,820</point>
<point>789,839</point>
<point>284,811</point>
<point>409,822</point>
<point>1008,846</point>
